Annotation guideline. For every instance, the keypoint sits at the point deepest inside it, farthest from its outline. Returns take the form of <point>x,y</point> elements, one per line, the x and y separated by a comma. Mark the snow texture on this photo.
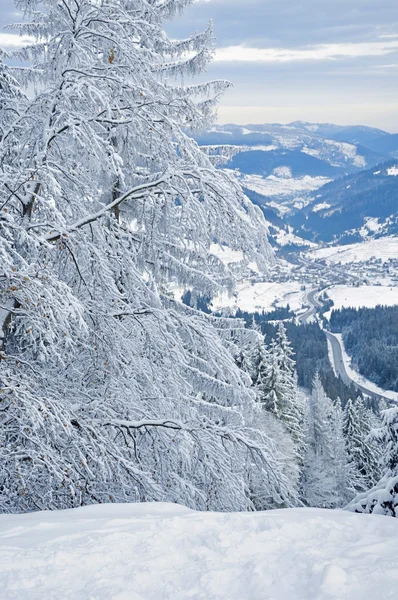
<point>282,185</point>
<point>165,551</point>
<point>262,296</point>
<point>368,296</point>
<point>384,248</point>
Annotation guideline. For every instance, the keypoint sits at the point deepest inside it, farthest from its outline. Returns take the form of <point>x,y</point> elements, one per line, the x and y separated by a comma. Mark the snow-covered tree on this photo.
<point>362,452</point>
<point>383,497</point>
<point>326,480</point>
<point>110,389</point>
<point>386,436</point>
<point>287,453</point>
<point>343,470</point>
<point>275,383</point>
<point>291,406</point>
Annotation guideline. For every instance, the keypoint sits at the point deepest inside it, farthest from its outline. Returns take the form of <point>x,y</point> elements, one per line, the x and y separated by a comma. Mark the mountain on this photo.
<point>321,179</point>
<point>387,144</point>
<point>353,207</point>
<point>353,134</point>
<point>303,148</point>
<point>281,235</point>
<point>288,163</point>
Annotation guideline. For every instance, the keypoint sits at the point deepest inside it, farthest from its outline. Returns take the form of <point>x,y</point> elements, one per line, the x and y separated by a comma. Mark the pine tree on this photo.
<point>326,472</point>
<point>275,383</point>
<point>383,497</point>
<point>387,439</point>
<point>362,452</point>
<point>342,467</point>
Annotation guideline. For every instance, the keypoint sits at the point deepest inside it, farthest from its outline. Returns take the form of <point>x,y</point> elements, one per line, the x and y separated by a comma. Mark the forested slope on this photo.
<point>371,338</point>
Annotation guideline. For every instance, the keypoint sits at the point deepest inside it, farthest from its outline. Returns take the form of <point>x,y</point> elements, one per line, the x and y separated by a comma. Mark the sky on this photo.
<point>313,60</point>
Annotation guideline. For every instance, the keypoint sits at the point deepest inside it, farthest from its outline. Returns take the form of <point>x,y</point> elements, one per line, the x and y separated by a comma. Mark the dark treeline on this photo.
<point>278,314</point>
<point>371,338</point>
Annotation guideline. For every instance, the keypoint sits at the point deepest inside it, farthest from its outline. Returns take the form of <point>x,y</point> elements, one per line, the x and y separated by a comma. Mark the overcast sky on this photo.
<point>314,60</point>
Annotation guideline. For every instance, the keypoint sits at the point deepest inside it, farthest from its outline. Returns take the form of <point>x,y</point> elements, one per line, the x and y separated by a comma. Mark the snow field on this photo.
<point>277,185</point>
<point>384,248</point>
<point>262,296</point>
<point>287,237</point>
<point>367,296</point>
<point>167,552</point>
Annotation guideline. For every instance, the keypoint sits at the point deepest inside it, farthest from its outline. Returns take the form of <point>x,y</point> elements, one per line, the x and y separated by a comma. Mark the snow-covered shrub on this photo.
<point>380,500</point>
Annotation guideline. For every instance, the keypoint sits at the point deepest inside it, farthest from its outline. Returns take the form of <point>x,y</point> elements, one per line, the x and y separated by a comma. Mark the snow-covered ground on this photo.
<point>367,296</point>
<point>357,377</point>
<point>288,237</point>
<point>282,184</point>
<point>226,255</point>
<point>262,296</point>
<point>167,552</point>
<point>393,171</point>
<point>320,206</point>
<point>382,248</point>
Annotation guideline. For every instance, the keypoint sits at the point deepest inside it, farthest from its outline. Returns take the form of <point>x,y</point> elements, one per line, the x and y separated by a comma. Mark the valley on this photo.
<point>329,195</point>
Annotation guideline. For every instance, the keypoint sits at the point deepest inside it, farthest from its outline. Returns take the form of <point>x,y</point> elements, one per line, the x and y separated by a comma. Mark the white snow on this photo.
<point>384,248</point>
<point>393,171</point>
<point>371,225</point>
<point>226,255</point>
<point>284,172</point>
<point>288,237</point>
<point>330,355</point>
<point>262,296</point>
<point>367,296</point>
<point>167,552</point>
<point>275,185</point>
<point>350,152</point>
<point>358,378</point>
<point>320,206</point>
<point>280,208</point>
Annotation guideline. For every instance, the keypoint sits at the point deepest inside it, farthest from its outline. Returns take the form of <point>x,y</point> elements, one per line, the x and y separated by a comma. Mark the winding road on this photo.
<point>337,351</point>
<point>312,311</point>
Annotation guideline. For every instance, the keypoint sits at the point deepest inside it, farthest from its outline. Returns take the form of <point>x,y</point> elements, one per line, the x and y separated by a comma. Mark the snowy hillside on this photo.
<point>361,204</point>
<point>167,552</point>
<point>368,296</point>
<point>381,249</point>
<point>261,296</point>
<point>330,154</point>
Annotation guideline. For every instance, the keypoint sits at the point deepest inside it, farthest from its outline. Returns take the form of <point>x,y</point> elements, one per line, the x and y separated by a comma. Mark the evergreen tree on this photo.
<point>386,436</point>
<point>342,467</point>
<point>259,364</point>
<point>275,383</point>
<point>383,497</point>
<point>362,452</point>
<point>325,480</point>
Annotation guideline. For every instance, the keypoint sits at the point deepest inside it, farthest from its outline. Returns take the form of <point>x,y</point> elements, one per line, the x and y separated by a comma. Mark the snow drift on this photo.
<point>165,551</point>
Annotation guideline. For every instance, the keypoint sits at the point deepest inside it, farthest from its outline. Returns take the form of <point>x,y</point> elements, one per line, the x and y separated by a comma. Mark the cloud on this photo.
<point>317,52</point>
<point>10,41</point>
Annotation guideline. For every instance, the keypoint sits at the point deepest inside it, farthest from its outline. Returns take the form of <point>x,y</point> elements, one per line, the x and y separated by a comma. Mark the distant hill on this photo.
<point>284,169</point>
<point>387,144</point>
<point>358,135</point>
<point>353,207</point>
<point>304,148</point>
